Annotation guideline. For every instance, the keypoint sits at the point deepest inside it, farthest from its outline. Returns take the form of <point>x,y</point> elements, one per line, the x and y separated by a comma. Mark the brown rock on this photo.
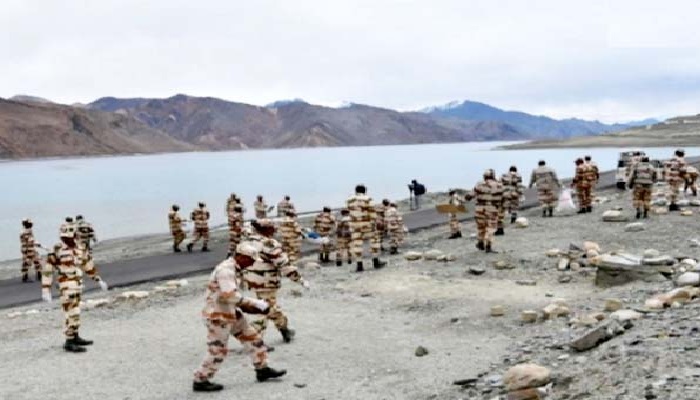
<point>612,305</point>
<point>498,311</point>
<point>528,316</point>
<point>525,394</point>
<point>525,376</point>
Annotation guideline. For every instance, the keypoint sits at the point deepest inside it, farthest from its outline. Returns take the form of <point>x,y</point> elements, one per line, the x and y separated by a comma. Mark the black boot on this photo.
<point>320,258</point>
<point>544,213</point>
<point>338,263</point>
<point>639,214</point>
<point>205,248</point>
<point>513,217</point>
<point>71,347</point>
<point>488,249</point>
<point>25,277</point>
<point>176,249</point>
<point>499,232</point>
<point>360,268</point>
<point>287,334</point>
<point>453,236</point>
<point>551,212</point>
<point>673,207</point>
<point>646,212</point>
<point>480,245</point>
<point>589,209</point>
<point>206,386</point>
<point>189,247</point>
<point>38,276</point>
<point>581,211</point>
<point>377,263</point>
<point>459,234</point>
<point>80,341</point>
<point>263,374</point>
<point>349,261</point>
<point>393,250</point>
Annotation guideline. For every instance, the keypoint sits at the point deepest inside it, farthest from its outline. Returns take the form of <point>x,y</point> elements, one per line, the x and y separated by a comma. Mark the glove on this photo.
<point>46,295</point>
<point>305,285</point>
<point>261,305</point>
<point>103,285</point>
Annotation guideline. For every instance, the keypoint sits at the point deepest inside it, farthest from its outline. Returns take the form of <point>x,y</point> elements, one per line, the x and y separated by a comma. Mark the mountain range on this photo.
<point>35,127</point>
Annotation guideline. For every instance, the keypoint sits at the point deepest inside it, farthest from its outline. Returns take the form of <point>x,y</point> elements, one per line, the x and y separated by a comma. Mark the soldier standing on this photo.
<point>343,237</point>
<point>363,226</point>
<point>691,177</point>
<point>69,263</point>
<point>455,228</point>
<point>175,222</point>
<point>582,182</point>
<point>260,208</point>
<point>324,225</point>
<point>642,179</point>
<point>512,192</point>
<point>200,217</point>
<point>489,199</point>
<point>290,236</point>
<point>285,205</point>
<point>29,254</point>
<point>85,233</point>
<point>546,180</point>
<point>380,224</point>
<point>223,316</point>
<point>264,277</point>
<point>595,173</point>
<point>676,176</point>
<point>395,228</point>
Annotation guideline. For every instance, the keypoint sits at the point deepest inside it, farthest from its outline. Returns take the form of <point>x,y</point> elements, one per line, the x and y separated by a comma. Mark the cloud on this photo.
<point>610,60</point>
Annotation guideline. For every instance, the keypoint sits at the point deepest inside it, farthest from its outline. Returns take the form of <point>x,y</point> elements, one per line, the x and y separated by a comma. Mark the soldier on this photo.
<point>223,316</point>
<point>265,275</point>
<point>582,182</point>
<point>290,236</point>
<point>676,176</point>
<point>175,222</point>
<point>343,237</point>
<point>512,192</point>
<point>200,217</point>
<point>29,254</point>
<point>595,173</point>
<point>380,224</point>
<point>324,225</point>
<point>642,179</point>
<point>691,177</point>
<point>455,228</point>
<point>395,227</point>
<point>363,226</point>
<point>260,208</point>
<point>85,234</point>
<point>489,199</point>
<point>285,205</point>
<point>70,262</point>
<point>546,180</point>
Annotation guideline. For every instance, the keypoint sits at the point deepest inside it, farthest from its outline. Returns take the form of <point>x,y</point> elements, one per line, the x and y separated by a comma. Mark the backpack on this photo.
<point>419,189</point>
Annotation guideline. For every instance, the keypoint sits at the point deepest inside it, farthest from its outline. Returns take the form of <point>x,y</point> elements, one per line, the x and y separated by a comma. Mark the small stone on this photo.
<point>660,210</point>
<point>625,315</point>
<point>654,304</point>
<point>552,253</point>
<point>614,216</point>
<point>97,303</point>
<point>688,279</point>
<point>15,314</point>
<point>555,310</point>
<point>526,282</point>
<point>161,289</point>
<point>528,316</point>
<point>526,376</point>
<point>296,293</point>
<point>421,351</point>
<point>651,253</point>
<point>598,315</point>
<point>634,227</point>
<point>300,385</point>
<point>133,294</point>
<point>588,246</point>
<point>476,270</point>
<point>413,256</point>
<point>31,312</point>
<point>686,213</point>
<point>498,311</point>
<point>612,305</point>
<point>432,255</point>
<point>564,279</point>
<point>522,222</point>
<point>603,332</point>
<point>563,264</point>
<point>502,264</point>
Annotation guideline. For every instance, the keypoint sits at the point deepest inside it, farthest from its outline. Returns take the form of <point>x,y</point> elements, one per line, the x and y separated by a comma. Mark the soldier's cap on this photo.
<point>26,221</point>
<point>202,204</point>
<point>541,162</point>
<point>175,206</point>
<point>238,208</point>
<point>67,231</point>
<point>78,217</point>
<point>579,161</point>
<point>69,219</point>
<point>587,158</point>
<point>247,249</point>
<point>489,173</point>
<point>326,209</point>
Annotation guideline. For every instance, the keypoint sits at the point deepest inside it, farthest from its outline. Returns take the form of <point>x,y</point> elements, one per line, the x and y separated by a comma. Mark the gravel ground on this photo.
<point>357,333</point>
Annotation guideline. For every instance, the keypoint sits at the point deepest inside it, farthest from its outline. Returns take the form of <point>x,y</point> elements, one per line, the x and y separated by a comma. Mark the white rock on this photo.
<point>612,305</point>
<point>654,304</point>
<point>312,265</point>
<point>15,314</point>
<point>683,203</point>
<point>97,303</point>
<point>498,311</point>
<point>528,316</point>
<point>133,294</point>
<point>522,222</point>
<point>176,283</point>
<point>552,253</point>
<point>413,255</point>
<point>160,289</point>
<point>591,246</point>
<point>432,254</point>
<point>694,203</point>
<point>634,227</point>
<point>651,253</point>
<point>686,213</point>
<point>625,315</point>
<point>31,312</point>
<point>688,279</point>
<point>614,216</point>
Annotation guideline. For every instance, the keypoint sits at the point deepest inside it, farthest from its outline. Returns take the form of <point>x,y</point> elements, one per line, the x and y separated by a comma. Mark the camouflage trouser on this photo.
<point>547,197</point>
<point>512,203</point>
<point>641,197</point>
<point>70,301</point>
<point>328,247</point>
<point>673,188</point>
<point>234,239</point>
<point>362,233</point>
<point>275,314</point>
<point>486,223</point>
<point>29,260</point>
<point>178,237</point>
<point>455,226</point>
<point>201,233</point>
<point>396,237</point>
<point>293,249</point>
<point>218,332</point>
<point>501,217</point>
<point>342,246</point>
<point>583,193</point>
<point>690,183</point>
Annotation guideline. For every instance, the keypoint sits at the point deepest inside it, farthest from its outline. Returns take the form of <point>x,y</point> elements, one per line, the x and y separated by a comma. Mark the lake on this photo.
<point>131,195</point>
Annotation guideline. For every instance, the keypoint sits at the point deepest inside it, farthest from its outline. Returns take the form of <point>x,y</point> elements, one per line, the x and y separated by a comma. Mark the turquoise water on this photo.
<point>131,195</point>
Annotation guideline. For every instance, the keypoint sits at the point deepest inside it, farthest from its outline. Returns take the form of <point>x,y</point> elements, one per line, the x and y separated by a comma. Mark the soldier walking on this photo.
<point>676,176</point>
<point>363,226</point>
<point>455,227</point>
<point>380,222</point>
<point>260,208</point>
<point>285,205</point>
<point>547,182</point>
<point>395,228</point>
<point>200,217</point>
<point>223,316</point>
<point>29,254</point>
<point>264,277</point>
<point>290,236</point>
<point>70,262</point>
<point>642,179</point>
<point>583,182</point>
<point>324,225</point>
<point>595,173</point>
<point>512,192</point>
<point>343,237</point>
<point>489,199</point>
<point>175,222</point>
<point>85,233</point>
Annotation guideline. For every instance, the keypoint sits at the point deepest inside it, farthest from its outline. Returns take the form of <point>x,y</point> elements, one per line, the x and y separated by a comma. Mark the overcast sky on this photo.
<point>613,60</point>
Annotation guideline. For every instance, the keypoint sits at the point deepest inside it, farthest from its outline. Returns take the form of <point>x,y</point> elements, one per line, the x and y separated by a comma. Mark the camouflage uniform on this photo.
<point>200,217</point>
<point>235,225</point>
<point>29,254</point>
<point>455,227</point>
<point>343,237</point>
<point>85,234</point>
<point>489,199</point>
<point>395,227</point>
<point>641,181</point>
<point>547,183</point>
<point>175,222</point>
<point>363,225</point>
<point>224,318</point>
<point>512,192</point>
<point>675,177</point>
<point>691,177</point>
<point>380,223</point>
<point>595,175</point>
<point>260,209</point>
<point>290,237</point>
<point>264,277</point>
<point>324,225</point>
<point>284,206</point>
<point>583,181</point>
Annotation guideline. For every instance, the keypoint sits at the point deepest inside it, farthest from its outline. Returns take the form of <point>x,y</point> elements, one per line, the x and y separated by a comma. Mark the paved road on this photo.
<point>172,266</point>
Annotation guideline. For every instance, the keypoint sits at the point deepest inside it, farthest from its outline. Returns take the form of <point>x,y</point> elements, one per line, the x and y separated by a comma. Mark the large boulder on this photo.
<point>688,279</point>
<point>620,269</point>
<point>525,376</point>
